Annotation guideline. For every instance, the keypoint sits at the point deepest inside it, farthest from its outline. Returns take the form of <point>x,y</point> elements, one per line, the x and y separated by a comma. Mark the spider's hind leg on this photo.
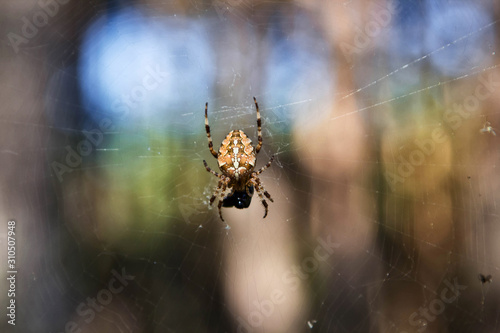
<point>224,193</point>
<point>261,191</point>
<point>220,192</point>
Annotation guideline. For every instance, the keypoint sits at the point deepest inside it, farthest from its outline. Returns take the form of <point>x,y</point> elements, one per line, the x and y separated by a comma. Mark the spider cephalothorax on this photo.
<point>236,159</point>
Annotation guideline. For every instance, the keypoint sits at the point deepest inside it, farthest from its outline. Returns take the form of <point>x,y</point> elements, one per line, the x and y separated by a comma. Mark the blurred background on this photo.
<point>384,120</point>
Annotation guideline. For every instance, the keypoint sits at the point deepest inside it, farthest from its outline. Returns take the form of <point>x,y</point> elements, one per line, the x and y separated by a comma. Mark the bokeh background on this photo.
<point>381,116</point>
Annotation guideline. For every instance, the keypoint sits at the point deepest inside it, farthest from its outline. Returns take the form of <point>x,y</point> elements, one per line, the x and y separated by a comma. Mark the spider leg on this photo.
<point>261,192</point>
<point>265,166</point>
<point>219,190</point>
<point>219,206</point>
<point>259,129</point>
<point>209,137</point>
<point>260,188</point>
<point>265,206</point>
<point>223,194</point>
<point>222,182</point>
<point>210,170</point>
<point>216,193</point>
<point>220,193</point>
<point>248,191</point>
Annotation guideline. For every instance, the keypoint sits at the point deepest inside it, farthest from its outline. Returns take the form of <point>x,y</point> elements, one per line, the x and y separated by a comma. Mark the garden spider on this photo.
<point>236,159</point>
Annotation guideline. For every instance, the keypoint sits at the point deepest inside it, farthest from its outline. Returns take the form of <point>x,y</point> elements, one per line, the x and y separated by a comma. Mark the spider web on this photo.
<point>381,117</point>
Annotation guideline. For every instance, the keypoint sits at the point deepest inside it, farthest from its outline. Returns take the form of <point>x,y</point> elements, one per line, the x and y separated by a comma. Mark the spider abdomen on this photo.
<point>236,155</point>
<point>239,199</point>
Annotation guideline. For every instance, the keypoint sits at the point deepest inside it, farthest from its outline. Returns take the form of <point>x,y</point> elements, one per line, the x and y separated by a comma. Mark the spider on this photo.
<point>487,129</point>
<point>236,159</point>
